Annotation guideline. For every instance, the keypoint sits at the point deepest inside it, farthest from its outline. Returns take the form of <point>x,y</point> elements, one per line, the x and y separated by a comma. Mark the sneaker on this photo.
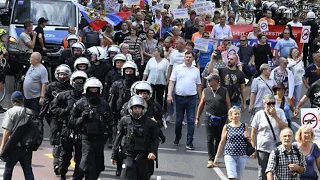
<point>190,146</point>
<point>168,119</point>
<point>184,123</point>
<point>210,164</point>
<point>176,142</point>
<point>63,177</point>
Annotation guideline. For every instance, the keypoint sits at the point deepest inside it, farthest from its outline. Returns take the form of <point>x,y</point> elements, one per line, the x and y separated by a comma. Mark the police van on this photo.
<point>61,15</point>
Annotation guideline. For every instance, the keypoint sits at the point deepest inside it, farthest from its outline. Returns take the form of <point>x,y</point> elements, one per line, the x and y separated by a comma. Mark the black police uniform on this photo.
<point>65,54</point>
<point>69,138</point>
<point>154,111</point>
<point>99,71</point>
<point>137,138</point>
<point>93,121</point>
<point>112,76</point>
<point>51,92</point>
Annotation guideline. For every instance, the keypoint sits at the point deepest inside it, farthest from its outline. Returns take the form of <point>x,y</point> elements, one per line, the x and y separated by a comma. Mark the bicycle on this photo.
<point>246,13</point>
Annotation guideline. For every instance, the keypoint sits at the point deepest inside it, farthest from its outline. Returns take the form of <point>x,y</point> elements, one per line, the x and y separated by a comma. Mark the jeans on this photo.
<point>158,91</point>
<point>213,139</point>
<point>185,104</point>
<point>263,158</point>
<point>19,154</point>
<point>34,105</point>
<point>297,94</point>
<point>235,165</point>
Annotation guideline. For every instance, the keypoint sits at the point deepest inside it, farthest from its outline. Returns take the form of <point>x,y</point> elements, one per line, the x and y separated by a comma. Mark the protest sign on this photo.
<point>153,8</point>
<point>233,50</point>
<point>264,26</point>
<point>180,13</point>
<point>310,117</point>
<point>133,2</point>
<point>203,7</point>
<point>201,44</point>
<point>305,34</point>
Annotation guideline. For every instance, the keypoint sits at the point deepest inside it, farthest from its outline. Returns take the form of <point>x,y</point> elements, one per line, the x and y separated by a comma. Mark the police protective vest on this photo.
<point>91,39</point>
<point>134,139</point>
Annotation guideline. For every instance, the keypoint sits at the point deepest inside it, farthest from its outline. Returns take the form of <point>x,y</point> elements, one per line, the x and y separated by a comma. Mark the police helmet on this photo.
<point>72,37</point>
<point>119,57</point>
<point>92,83</point>
<point>79,45</point>
<point>81,60</point>
<point>63,68</point>
<point>76,75</point>
<point>137,101</point>
<point>311,15</point>
<point>141,86</point>
<point>130,64</point>
<point>114,48</point>
<point>99,51</point>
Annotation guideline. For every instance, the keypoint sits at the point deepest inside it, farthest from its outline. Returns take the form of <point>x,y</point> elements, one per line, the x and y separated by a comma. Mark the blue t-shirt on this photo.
<point>311,74</point>
<point>284,46</point>
<point>204,57</point>
<point>311,158</point>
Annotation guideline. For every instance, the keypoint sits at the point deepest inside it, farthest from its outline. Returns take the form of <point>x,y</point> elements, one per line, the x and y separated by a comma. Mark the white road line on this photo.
<point>200,152</point>
<point>168,149</point>
<point>220,173</point>
<point>296,125</point>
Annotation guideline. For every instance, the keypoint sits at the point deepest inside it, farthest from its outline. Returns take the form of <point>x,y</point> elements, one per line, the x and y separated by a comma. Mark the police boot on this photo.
<point>118,172</point>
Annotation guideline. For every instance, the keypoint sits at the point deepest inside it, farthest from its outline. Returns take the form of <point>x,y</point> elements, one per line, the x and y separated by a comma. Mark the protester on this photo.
<point>254,34</point>
<point>216,101</point>
<point>234,141</point>
<point>266,125</point>
<point>262,52</point>
<point>305,137</point>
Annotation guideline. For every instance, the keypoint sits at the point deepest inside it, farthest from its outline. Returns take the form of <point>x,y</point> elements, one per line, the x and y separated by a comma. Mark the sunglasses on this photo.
<point>201,25</point>
<point>242,40</point>
<point>236,107</point>
<point>208,17</point>
<point>167,20</point>
<point>146,22</point>
<point>227,40</point>
<point>206,36</point>
<point>271,103</point>
<point>286,33</point>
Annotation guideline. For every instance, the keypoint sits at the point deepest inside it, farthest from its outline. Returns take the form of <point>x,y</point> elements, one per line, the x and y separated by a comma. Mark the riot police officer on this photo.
<point>137,137</point>
<point>81,64</point>
<point>154,111</point>
<point>112,51</point>
<point>99,68</point>
<point>114,74</point>
<point>120,90</point>
<point>77,50</point>
<point>62,75</point>
<point>69,138</point>
<point>92,115</point>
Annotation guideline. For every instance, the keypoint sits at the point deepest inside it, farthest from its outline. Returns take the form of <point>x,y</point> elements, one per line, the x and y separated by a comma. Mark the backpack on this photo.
<point>33,137</point>
<point>277,152</point>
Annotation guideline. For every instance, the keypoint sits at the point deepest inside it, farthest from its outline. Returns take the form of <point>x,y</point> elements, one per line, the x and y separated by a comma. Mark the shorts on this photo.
<point>235,165</point>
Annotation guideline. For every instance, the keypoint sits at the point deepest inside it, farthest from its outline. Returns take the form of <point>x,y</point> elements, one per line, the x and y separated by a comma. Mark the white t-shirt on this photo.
<point>186,78</point>
<point>177,58</point>
<point>293,24</point>
<point>252,36</point>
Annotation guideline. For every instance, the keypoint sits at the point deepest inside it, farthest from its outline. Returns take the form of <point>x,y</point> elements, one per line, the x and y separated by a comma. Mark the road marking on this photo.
<point>200,152</point>
<point>72,163</point>
<point>168,149</point>
<point>220,173</point>
<point>296,125</point>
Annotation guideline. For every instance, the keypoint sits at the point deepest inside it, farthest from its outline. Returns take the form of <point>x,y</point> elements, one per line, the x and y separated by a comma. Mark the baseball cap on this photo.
<point>213,76</point>
<point>17,96</point>
<point>42,20</point>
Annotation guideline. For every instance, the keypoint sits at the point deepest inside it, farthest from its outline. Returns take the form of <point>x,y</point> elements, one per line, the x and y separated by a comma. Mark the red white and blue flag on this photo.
<point>98,19</point>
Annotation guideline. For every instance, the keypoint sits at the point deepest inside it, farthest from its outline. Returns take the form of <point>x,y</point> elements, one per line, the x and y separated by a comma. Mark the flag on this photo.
<point>98,19</point>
